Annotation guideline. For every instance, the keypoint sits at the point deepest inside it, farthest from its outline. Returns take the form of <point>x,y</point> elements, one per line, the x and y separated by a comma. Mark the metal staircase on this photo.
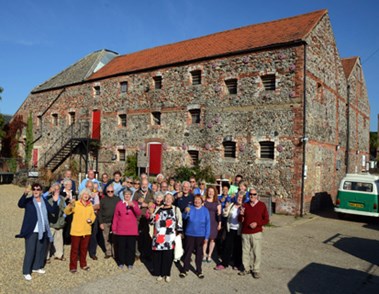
<point>75,139</point>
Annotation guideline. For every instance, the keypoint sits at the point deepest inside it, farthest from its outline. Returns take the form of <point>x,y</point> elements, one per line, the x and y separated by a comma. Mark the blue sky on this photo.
<point>40,38</point>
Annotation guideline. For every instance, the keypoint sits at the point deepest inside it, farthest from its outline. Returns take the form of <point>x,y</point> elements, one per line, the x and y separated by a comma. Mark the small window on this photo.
<point>194,156</point>
<point>195,116</point>
<point>121,155</point>
<point>156,118</point>
<point>196,77</point>
<point>71,118</point>
<point>268,82</point>
<point>39,120</point>
<point>124,87</point>
<point>122,120</point>
<point>267,149</point>
<point>158,82</point>
<point>229,149</point>
<point>55,119</point>
<point>97,90</point>
<point>232,86</point>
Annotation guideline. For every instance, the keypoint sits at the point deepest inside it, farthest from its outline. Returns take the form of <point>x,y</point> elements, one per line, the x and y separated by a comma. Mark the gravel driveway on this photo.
<point>314,254</point>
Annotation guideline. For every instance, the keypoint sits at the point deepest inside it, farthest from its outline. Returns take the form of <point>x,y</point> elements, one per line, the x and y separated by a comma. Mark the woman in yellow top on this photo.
<point>83,218</point>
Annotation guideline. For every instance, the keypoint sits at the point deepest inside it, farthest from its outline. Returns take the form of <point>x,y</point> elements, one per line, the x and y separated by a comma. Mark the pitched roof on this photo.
<point>79,71</point>
<point>228,42</point>
<point>348,64</point>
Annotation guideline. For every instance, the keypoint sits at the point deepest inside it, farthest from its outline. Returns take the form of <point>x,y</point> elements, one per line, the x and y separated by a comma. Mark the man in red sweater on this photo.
<point>253,216</point>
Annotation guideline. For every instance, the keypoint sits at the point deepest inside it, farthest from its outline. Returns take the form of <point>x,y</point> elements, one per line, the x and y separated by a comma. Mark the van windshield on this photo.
<point>358,186</point>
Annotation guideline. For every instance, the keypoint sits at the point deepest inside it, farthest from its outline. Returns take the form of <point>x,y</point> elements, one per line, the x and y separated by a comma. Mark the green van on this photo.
<point>358,194</point>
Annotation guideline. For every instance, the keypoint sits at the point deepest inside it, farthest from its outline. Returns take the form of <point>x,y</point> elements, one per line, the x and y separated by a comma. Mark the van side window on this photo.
<point>358,186</point>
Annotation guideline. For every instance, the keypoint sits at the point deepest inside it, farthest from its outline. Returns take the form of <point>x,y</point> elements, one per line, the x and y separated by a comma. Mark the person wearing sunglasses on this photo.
<point>253,216</point>
<point>35,229</point>
<point>105,215</point>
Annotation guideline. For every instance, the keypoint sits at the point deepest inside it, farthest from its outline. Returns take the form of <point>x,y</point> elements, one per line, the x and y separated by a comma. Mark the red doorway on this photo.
<point>155,158</point>
<point>96,124</point>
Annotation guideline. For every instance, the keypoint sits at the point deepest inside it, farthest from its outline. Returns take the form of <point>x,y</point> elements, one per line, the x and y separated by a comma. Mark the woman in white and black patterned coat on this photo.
<point>167,221</point>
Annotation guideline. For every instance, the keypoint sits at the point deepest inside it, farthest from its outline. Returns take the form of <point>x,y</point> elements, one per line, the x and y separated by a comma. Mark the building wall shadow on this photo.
<point>321,278</point>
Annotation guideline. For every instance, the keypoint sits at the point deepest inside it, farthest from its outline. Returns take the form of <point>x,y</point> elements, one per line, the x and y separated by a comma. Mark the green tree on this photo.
<point>1,91</point>
<point>131,166</point>
<point>29,140</point>
<point>374,144</point>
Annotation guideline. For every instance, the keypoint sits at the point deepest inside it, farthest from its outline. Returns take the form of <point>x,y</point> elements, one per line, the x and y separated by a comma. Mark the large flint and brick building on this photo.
<point>271,101</point>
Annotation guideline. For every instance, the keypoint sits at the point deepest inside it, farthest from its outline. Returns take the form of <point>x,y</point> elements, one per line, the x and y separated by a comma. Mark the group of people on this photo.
<point>159,222</point>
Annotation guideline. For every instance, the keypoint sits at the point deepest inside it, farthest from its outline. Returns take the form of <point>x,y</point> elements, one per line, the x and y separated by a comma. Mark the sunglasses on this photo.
<point>110,191</point>
<point>129,182</point>
<point>36,189</point>
<point>136,183</point>
<point>253,194</point>
<point>192,181</point>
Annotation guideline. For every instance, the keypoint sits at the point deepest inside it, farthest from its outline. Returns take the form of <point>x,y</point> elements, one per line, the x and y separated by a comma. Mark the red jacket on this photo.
<point>257,213</point>
<point>125,219</point>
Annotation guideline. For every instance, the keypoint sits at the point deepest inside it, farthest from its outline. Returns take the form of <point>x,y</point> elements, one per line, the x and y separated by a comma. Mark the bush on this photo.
<point>183,173</point>
<point>131,166</point>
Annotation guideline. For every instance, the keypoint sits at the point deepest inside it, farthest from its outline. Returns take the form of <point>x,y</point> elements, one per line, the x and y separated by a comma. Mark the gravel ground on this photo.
<point>315,254</point>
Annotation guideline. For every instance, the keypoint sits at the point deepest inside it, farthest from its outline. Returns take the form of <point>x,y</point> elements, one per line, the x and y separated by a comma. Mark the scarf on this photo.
<point>43,217</point>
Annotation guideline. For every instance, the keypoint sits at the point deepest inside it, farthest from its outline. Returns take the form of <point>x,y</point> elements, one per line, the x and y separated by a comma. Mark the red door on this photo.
<point>155,158</point>
<point>35,157</point>
<point>96,124</point>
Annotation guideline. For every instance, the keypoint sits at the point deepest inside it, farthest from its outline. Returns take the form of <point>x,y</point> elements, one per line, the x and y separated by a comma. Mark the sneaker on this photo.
<point>243,273</point>
<point>130,267</point>
<point>200,276</point>
<point>39,271</point>
<point>28,277</point>
<point>183,274</point>
<point>121,266</point>
<point>168,279</point>
<point>209,260</point>
<point>160,278</point>
<point>220,267</point>
<point>256,275</point>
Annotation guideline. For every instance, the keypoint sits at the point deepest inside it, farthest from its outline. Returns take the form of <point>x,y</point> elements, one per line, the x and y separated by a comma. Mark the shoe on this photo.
<point>183,274</point>
<point>137,258</point>
<point>256,275</point>
<point>209,260</point>
<point>243,273</point>
<point>39,271</point>
<point>160,278</point>
<point>121,266</point>
<point>219,267</point>
<point>86,268</point>
<point>130,267</point>
<point>107,256</point>
<point>94,257</point>
<point>28,277</point>
<point>205,260</point>
<point>47,261</point>
<point>200,276</point>
<point>168,279</point>
<point>73,271</point>
<point>61,258</point>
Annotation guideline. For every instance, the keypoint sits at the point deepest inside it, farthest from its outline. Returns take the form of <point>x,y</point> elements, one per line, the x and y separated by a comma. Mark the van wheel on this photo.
<point>341,215</point>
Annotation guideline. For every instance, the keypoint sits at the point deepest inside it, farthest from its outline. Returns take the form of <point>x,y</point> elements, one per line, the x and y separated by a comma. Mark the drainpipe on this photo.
<point>304,139</point>
<point>348,129</point>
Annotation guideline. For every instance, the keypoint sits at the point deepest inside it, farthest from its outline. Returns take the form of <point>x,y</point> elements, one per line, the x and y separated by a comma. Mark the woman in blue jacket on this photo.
<point>35,229</point>
<point>196,232</point>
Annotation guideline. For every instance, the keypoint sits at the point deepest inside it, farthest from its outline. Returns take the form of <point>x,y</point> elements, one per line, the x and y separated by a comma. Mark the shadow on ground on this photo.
<point>321,278</point>
<point>366,249</point>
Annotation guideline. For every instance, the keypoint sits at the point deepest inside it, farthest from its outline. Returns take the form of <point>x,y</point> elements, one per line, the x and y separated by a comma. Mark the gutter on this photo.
<point>304,138</point>
<point>348,128</point>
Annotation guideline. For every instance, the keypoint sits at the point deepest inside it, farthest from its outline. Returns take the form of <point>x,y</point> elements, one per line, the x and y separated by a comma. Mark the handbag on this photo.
<point>178,249</point>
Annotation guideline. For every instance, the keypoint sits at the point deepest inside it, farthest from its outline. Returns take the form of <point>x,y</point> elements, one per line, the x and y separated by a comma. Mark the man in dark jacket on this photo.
<point>105,215</point>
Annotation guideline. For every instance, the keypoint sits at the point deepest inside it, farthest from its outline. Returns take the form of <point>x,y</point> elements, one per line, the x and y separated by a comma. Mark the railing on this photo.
<point>79,130</point>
